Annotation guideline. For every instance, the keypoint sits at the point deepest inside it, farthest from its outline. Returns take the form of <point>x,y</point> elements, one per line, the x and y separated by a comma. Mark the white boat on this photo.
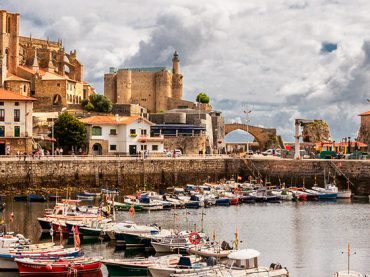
<point>186,265</point>
<point>241,263</point>
<point>344,194</point>
<point>347,274</point>
<point>209,250</point>
<point>151,206</point>
<point>170,244</point>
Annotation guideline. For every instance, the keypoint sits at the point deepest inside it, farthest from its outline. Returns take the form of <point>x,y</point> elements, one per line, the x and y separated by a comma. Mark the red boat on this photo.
<point>234,201</point>
<point>30,266</point>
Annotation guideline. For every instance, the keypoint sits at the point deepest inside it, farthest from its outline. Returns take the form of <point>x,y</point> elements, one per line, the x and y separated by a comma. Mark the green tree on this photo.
<point>69,131</point>
<point>89,107</point>
<point>202,98</point>
<point>101,103</point>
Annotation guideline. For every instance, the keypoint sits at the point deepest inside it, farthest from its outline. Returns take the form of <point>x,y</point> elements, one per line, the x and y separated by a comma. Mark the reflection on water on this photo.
<point>307,238</point>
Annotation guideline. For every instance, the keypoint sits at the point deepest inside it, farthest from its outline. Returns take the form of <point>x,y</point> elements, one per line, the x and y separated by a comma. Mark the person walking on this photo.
<point>61,151</point>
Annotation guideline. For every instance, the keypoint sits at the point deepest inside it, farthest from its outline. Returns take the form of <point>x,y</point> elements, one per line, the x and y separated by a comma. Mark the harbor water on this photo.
<point>306,237</point>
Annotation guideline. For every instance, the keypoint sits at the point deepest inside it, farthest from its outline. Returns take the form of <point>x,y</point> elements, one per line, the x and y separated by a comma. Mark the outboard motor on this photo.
<point>211,261</point>
<point>225,246</point>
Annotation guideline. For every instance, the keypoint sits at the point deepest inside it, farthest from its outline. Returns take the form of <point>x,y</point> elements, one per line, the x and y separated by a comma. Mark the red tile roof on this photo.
<point>111,120</point>
<point>10,95</point>
<point>11,77</point>
<point>365,113</point>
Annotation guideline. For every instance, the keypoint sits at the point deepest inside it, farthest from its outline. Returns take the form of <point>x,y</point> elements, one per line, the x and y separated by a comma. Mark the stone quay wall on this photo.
<point>131,175</point>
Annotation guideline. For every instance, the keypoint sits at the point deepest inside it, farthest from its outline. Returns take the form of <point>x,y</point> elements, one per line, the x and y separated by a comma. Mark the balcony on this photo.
<point>147,138</point>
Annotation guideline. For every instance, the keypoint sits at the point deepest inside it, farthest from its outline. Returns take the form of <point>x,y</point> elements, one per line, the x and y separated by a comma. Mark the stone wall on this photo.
<point>364,132</point>
<point>131,174</point>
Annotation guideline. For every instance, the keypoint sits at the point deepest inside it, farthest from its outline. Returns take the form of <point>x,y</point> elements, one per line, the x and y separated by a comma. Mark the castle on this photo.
<point>154,88</point>
<point>39,68</point>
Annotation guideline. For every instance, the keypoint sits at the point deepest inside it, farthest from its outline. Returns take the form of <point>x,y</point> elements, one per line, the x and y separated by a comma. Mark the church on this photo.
<point>39,68</point>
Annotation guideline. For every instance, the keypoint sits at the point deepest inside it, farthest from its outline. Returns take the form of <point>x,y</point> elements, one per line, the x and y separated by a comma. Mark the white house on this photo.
<point>111,134</point>
<point>15,123</point>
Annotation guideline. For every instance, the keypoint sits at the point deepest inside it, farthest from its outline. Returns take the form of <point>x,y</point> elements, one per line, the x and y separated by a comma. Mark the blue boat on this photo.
<point>36,198</point>
<point>223,202</point>
<point>20,198</point>
<point>192,205</point>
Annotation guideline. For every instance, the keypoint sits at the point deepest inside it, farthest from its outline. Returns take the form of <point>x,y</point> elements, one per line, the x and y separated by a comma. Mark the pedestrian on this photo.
<point>56,151</point>
<point>61,151</point>
<point>80,151</point>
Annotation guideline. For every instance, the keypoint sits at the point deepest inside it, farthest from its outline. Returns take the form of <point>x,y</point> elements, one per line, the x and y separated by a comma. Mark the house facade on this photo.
<point>113,135</point>
<point>15,123</point>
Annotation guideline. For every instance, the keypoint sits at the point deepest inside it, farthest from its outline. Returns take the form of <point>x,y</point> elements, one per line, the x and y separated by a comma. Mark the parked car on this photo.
<point>271,152</point>
<point>176,153</point>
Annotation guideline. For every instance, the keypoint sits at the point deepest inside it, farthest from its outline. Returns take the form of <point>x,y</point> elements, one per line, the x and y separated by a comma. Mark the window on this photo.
<point>8,26</point>
<point>154,147</point>
<point>24,88</point>
<point>143,147</point>
<point>113,147</point>
<point>2,131</point>
<point>1,103</point>
<point>143,132</point>
<point>96,131</point>
<point>17,131</point>
<point>16,103</point>
<point>113,132</point>
<point>58,84</point>
<point>2,115</point>
<point>132,132</point>
<point>17,115</point>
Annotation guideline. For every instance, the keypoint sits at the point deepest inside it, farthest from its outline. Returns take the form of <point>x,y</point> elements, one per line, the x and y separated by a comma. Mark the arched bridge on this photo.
<point>263,136</point>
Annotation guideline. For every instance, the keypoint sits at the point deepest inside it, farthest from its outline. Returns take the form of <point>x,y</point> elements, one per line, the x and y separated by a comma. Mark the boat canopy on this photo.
<point>244,254</point>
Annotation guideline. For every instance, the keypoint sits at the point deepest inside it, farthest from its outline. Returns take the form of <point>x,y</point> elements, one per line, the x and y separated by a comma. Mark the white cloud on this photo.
<point>264,53</point>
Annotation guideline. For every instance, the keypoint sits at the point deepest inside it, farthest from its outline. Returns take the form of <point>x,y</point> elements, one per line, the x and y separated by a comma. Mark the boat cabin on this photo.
<point>243,259</point>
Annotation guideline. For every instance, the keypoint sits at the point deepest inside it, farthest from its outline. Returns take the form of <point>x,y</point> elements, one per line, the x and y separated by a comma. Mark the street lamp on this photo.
<point>247,112</point>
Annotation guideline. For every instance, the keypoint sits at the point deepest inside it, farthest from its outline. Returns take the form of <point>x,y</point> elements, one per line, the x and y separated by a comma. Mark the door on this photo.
<point>132,149</point>
<point>2,148</point>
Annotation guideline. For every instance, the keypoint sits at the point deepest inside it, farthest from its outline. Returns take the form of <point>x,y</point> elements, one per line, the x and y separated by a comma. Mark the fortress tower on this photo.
<point>124,87</point>
<point>154,88</point>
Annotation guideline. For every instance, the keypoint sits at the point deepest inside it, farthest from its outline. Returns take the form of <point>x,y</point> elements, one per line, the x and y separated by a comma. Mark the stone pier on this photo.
<point>130,175</point>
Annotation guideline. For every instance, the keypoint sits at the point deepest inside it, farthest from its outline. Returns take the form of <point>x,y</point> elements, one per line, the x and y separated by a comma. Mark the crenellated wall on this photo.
<point>131,174</point>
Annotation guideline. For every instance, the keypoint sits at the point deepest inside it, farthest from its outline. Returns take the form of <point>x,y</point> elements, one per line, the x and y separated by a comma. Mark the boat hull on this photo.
<point>126,270</point>
<point>44,268</point>
<point>344,194</point>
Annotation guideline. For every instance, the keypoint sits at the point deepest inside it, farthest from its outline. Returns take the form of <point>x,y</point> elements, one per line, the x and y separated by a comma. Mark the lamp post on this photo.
<point>247,112</point>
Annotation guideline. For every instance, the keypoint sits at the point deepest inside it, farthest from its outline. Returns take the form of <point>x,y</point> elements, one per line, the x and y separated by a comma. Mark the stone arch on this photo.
<point>57,100</point>
<point>97,149</point>
<point>262,135</point>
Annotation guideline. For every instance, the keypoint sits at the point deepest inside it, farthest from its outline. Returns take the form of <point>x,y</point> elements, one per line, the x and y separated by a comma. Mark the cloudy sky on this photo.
<point>282,59</point>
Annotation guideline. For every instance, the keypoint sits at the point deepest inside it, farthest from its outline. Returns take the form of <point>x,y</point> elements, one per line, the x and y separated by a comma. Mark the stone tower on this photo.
<point>163,90</point>
<point>9,43</point>
<point>176,77</point>
<point>124,86</point>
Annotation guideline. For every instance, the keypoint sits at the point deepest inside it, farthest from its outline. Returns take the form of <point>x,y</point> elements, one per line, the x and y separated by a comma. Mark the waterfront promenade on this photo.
<point>132,173</point>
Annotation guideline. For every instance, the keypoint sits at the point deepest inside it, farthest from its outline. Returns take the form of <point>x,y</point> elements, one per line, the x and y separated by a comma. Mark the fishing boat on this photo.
<point>79,265</point>
<point>110,191</point>
<point>7,260</point>
<point>118,206</point>
<point>225,201</point>
<point>245,263</point>
<point>137,266</point>
<point>322,195</point>
<point>185,265</point>
<point>83,196</point>
<point>144,202</point>
<point>129,233</point>
<point>36,198</point>
<point>95,228</point>
<point>190,204</point>
<point>171,244</point>
<point>95,194</point>
<point>210,250</point>
<point>20,198</point>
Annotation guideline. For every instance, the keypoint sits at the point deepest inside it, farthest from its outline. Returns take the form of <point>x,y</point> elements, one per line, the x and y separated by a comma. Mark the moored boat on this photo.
<point>137,266</point>
<point>36,198</point>
<point>30,266</point>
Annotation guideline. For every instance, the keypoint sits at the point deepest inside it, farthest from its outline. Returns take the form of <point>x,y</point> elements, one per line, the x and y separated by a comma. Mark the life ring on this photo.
<point>194,238</point>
